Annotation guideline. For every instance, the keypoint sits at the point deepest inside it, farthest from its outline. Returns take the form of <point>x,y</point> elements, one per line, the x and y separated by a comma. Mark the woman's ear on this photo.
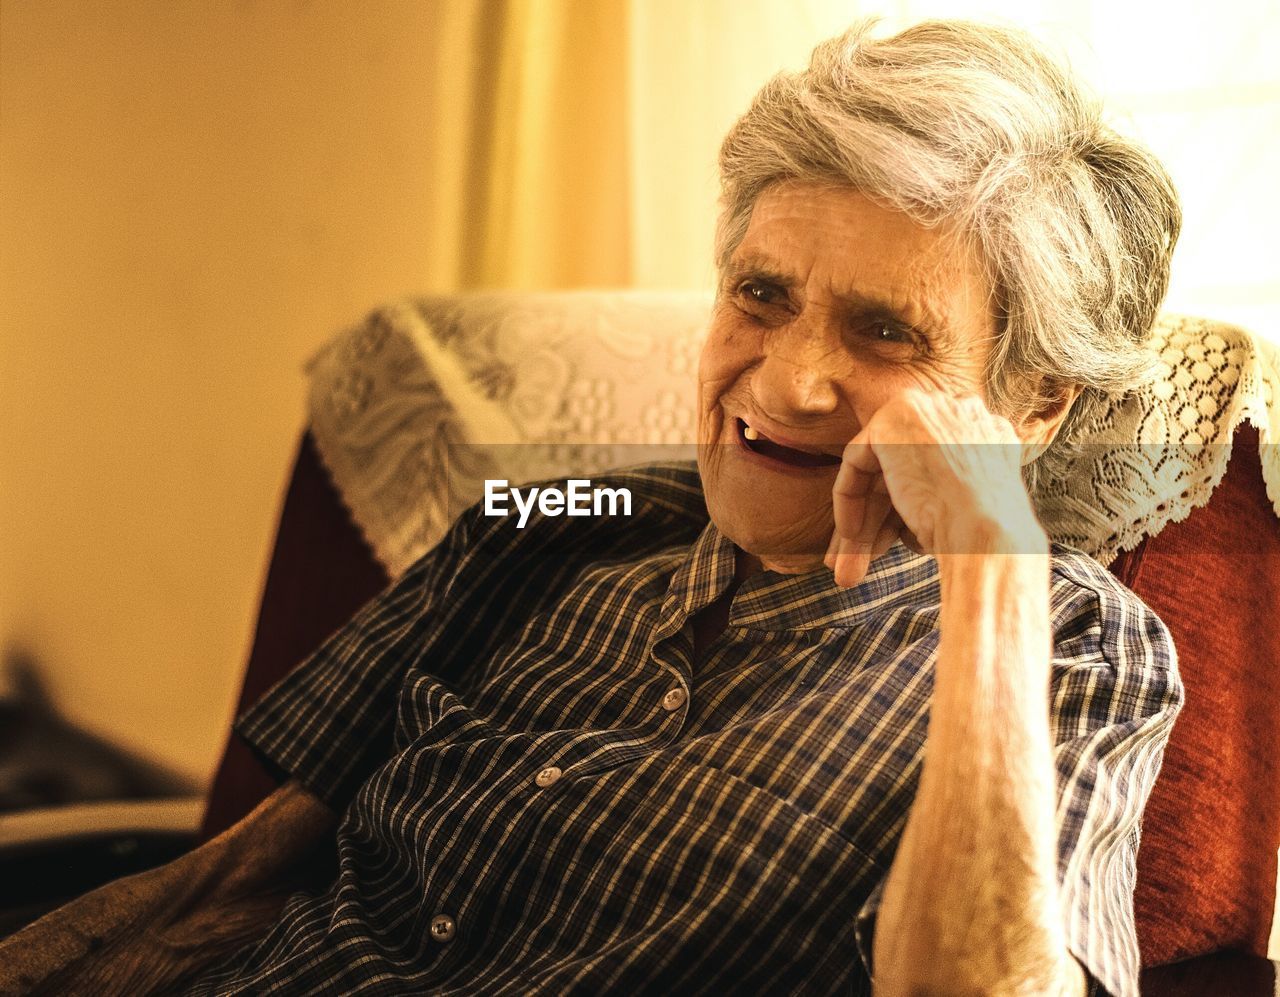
<point>1038,426</point>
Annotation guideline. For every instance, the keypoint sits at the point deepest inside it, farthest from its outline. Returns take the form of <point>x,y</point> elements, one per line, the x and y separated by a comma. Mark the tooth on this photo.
<point>750,433</point>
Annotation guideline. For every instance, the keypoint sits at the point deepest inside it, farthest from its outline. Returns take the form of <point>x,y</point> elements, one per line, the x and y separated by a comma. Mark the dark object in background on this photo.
<point>47,767</point>
<point>46,761</point>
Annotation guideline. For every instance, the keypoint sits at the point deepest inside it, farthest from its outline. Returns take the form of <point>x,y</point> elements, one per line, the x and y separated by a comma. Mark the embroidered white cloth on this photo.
<point>413,408</point>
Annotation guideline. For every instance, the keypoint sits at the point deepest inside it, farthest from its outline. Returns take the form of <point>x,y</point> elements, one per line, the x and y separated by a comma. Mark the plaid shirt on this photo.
<point>542,794</point>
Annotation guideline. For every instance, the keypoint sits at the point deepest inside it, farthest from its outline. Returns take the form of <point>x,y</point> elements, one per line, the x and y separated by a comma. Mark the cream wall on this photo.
<point>194,194</point>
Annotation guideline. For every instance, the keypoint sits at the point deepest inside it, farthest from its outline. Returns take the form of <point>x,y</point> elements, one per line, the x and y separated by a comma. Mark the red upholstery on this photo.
<point>321,572</point>
<point>1207,864</point>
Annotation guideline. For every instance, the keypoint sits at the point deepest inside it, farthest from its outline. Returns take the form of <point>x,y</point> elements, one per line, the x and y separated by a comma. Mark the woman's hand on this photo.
<point>942,473</point>
<point>146,932</point>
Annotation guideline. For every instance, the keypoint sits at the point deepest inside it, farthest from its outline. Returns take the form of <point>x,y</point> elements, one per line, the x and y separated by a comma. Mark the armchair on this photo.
<point>412,390</point>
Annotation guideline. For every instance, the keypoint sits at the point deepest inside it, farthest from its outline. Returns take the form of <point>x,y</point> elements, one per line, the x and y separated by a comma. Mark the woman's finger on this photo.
<point>852,559</point>
<point>861,507</point>
<point>859,495</point>
<point>830,559</point>
<point>889,533</point>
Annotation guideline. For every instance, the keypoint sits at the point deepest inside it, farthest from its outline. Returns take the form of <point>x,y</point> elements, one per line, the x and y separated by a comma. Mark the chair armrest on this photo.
<point>1240,974</point>
<point>52,855</point>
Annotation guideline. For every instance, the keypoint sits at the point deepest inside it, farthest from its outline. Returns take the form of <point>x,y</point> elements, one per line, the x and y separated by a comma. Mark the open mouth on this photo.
<point>758,443</point>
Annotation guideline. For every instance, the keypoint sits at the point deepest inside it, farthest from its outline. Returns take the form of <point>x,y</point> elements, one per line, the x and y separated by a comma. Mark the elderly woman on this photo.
<point>776,749</point>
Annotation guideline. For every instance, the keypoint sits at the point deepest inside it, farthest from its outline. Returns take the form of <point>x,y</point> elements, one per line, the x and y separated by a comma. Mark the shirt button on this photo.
<point>547,776</point>
<point>674,699</point>
<point>442,928</point>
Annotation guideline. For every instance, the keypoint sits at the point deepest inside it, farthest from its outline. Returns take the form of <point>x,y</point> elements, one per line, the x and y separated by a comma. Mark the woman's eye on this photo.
<point>758,292</point>
<point>892,334</point>
<point>890,339</point>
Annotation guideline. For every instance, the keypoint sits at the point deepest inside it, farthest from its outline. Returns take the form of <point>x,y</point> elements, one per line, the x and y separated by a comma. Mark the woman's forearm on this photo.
<point>971,901</point>
<point>145,931</point>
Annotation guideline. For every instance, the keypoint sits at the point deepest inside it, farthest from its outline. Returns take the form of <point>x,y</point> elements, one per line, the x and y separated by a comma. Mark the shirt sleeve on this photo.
<point>1115,693</point>
<point>329,722</point>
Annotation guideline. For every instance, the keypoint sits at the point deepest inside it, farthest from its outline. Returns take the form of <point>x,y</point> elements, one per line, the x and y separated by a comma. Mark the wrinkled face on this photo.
<point>829,307</point>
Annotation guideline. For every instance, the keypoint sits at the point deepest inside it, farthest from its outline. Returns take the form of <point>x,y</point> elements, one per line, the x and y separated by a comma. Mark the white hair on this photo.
<point>974,125</point>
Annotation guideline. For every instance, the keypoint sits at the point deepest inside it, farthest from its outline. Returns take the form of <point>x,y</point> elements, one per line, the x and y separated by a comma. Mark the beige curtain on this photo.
<point>576,139</point>
<point>530,183</point>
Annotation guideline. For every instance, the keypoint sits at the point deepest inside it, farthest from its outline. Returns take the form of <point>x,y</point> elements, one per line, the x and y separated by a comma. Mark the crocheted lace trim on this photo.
<point>1158,453</point>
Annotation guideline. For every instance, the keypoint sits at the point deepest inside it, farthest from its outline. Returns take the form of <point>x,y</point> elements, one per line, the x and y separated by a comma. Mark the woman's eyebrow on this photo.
<point>761,270</point>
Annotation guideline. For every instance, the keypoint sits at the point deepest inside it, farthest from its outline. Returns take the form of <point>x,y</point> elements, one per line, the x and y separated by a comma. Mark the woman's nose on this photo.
<point>795,377</point>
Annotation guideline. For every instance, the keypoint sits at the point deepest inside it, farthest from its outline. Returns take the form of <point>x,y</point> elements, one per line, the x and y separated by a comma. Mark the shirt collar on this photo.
<point>771,601</point>
<point>705,572</point>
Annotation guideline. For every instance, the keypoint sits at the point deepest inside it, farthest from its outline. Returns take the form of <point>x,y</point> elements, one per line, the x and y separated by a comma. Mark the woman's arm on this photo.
<point>970,904</point>
<point>971,901</point>
<point>149,930</point>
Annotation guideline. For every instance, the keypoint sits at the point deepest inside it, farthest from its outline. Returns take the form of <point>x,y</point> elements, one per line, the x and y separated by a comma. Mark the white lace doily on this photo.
<point>415,407</point>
